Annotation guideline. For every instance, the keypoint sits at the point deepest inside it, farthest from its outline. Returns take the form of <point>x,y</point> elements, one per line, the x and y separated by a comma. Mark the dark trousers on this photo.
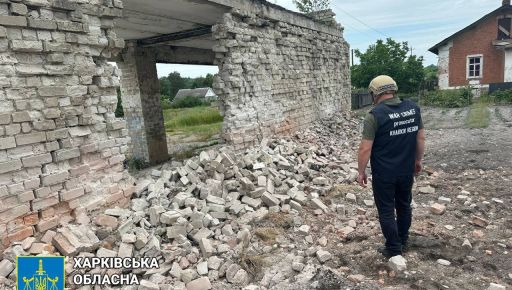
<point>392,194</point>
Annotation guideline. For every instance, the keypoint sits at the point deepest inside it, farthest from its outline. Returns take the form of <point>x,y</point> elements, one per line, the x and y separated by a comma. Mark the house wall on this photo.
<point>275,77</point>
<point>61,146</point>
<point>444,66</point>
<point>508,66</point>
<point>477,41</point>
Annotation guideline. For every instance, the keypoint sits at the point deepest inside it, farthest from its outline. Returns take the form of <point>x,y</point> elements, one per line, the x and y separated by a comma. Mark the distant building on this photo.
<point>205,93</point>
<point>479,55</point>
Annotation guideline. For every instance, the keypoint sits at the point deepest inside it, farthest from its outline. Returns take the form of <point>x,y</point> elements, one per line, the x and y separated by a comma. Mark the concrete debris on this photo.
<point>443,262</point>
<point>197,217</point>
<point>202,283</point>
<point>427,190</point>
<point>6,268</point>
<point>466,244</point>
<point>478,221</point>
<point>397,264</point>
<point>356,278</point>
<point>437,208</point>
<point>323,256</point>
<point>494,286</point>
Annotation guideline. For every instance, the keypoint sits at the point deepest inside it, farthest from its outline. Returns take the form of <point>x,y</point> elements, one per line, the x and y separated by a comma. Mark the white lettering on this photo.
<point>134,280</point>
<point>401,123</point>
<point>154,263</point>
<point>136,264</point>
<point>77,262</point>
<point>98,279</point>
<point>403,131</point>
<point>412,129</point>
<point>394,116</point>
<point>78,279</point>
<point>115,263</point>
<point>397,132</point>
<point>408,113</point>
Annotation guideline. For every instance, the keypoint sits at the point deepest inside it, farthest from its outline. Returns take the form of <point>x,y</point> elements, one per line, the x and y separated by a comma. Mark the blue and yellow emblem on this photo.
<point>40,273</point>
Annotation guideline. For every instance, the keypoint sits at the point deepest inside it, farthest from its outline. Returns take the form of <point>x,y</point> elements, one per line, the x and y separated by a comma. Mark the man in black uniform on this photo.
<point>394,141</point>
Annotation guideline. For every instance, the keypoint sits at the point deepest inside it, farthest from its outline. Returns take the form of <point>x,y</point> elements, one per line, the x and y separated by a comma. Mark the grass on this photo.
<point>203,121</point>
<point>448,98</point>
<point>479,115</point>
<point>278,219</point>
<point>267,235</point>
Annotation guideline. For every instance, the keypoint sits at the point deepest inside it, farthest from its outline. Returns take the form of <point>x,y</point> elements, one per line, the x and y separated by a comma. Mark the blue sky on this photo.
<point>422,23</point>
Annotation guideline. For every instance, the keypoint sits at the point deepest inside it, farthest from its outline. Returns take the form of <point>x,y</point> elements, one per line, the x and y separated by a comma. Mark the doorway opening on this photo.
<point>192,119</point>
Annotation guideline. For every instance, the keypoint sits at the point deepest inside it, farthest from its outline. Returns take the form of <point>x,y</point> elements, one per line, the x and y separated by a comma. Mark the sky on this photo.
<point>422,23</point>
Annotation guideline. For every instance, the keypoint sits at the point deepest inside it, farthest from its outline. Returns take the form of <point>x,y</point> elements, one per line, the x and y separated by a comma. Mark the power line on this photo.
<point>360,21</point>
<point>354,28</point>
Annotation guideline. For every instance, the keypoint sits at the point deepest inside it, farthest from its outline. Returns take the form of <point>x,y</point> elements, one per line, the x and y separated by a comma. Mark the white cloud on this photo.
<point>191,71</point>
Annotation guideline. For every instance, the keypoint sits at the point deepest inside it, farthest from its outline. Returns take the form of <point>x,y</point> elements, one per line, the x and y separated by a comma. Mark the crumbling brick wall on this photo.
<point>61,147</point>
<point>275,77</point>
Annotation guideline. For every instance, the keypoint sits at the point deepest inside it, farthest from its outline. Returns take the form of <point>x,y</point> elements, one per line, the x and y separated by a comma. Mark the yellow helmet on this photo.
<point>382,84</point>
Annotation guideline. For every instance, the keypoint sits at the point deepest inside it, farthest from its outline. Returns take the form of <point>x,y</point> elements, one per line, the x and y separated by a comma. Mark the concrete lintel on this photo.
<point>278,13</point>
<point>199,31</point>
<point>183,55</point>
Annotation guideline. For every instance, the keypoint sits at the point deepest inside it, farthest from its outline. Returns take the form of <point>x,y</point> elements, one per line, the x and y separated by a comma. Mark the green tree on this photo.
<point>176,83</point>
<point>430,73</point>
<point>202,82</point>
<point>309,6</point>
<point>165,86</point>
<point>119,113</point>
<point>389,58</point>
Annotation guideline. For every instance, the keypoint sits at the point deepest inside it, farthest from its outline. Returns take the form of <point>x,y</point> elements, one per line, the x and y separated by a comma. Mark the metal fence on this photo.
<point>499,86</point>
<point>360,100</point>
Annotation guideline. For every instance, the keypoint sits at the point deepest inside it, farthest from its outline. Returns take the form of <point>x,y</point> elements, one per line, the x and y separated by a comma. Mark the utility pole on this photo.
<point>352,50</point>
<point>411,51</point>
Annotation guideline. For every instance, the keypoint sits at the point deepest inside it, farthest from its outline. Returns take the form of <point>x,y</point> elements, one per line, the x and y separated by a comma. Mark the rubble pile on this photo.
<point>195,217</point>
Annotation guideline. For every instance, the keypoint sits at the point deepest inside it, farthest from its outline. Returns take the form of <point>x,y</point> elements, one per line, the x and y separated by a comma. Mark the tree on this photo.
<point>430,73</point>
<point>119,112</point>
<point>202,82</point>
<point>165,86</point>
<point>389,58</point>
<point>309,6</point>
<point>176,83</point>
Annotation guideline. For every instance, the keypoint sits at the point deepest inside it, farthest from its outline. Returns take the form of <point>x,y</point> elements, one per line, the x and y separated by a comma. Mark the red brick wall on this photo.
<point>477,41</point>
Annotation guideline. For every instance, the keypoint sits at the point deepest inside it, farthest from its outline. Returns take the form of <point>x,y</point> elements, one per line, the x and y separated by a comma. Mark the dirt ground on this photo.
<point>472,167</point>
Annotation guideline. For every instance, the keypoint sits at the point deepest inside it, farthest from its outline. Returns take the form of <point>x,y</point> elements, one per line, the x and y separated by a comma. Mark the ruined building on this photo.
<point>61,146</point>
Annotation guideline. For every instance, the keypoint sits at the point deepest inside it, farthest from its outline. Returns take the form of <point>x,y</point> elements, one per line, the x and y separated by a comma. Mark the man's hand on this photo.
<point>362,179</point>
<point>417,167</point>
<point>365,150</point>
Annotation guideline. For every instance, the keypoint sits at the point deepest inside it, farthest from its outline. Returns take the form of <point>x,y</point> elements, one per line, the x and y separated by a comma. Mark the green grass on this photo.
<point>202,121</point>
<point>478,116</point>
<point>448,98</point>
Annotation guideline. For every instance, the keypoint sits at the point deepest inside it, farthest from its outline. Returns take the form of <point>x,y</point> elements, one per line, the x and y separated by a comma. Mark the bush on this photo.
<point>501,97</point>
<point>119,108</point>
<point>411,97</point>
<point>188,102</point>
<point>448,98</point>
<point>165,102</point>
<point>135,164</point>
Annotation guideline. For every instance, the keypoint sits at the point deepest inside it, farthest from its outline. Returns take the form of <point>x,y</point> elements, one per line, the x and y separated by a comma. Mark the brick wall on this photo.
<point>477,41</point>
<point>61,147</point>
<point>275,77</point>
